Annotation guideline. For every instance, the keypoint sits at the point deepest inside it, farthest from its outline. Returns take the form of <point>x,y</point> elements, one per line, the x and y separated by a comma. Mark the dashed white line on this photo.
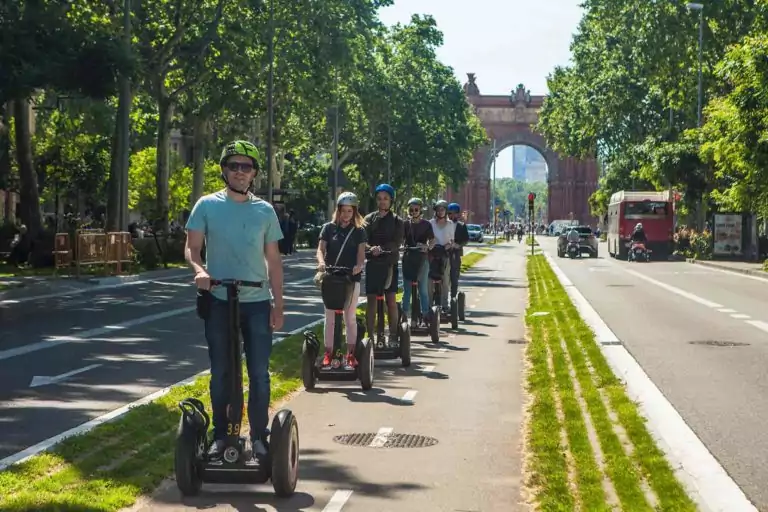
<point>338,500</point>
<point>409,396</point>
<point>381,437</point>
<point>763,326</point>
<point>726,310</point>
<point>740,316</point>
<point>675,290</point>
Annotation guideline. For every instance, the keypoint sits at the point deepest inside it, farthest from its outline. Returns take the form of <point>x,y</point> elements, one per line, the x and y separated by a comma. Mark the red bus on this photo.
<point>654,210</point>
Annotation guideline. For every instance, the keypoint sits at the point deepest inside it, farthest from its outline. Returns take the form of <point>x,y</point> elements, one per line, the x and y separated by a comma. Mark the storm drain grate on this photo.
<point>517,342</point>
<point>715,343</point>
<point>392,440</point>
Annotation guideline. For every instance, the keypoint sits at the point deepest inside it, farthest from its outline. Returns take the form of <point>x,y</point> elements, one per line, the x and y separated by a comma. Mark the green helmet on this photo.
<point>415,200</point>
<point>441,203</point>
<point>240,147</point>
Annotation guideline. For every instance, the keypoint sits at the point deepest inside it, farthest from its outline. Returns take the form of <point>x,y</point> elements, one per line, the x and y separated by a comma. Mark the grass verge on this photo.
<point>109,467</point>
<point>562,336</point>
<point>530,240</point>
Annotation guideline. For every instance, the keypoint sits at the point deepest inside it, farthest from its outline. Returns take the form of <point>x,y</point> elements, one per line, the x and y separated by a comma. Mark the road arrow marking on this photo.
<point>43,380</point>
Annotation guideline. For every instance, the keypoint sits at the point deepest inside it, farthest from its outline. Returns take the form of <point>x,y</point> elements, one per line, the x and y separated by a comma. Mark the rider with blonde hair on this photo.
<point>342,244</point>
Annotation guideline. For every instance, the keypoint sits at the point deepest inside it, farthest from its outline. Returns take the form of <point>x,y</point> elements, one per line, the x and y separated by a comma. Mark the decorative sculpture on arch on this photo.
<point>520,97</point>
<point>470,88</point>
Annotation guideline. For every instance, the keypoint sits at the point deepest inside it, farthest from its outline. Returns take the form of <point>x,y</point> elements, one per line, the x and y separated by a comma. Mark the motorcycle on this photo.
<point>638,252</point>
<point>573,250</point>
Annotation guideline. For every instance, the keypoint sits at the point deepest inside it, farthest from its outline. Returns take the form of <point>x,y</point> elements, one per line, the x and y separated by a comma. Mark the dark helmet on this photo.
<point>416,201</point>
<point>454,208</point>
<point>442,203</point>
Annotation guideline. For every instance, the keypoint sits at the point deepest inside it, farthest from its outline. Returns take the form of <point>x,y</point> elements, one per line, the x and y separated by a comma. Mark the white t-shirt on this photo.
<point>444,233</point>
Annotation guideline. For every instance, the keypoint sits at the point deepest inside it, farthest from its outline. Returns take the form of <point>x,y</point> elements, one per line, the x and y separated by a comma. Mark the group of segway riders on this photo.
<point>240,299</point>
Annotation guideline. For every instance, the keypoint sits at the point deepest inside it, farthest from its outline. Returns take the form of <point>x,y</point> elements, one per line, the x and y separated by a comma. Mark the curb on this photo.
<point>746,271</point>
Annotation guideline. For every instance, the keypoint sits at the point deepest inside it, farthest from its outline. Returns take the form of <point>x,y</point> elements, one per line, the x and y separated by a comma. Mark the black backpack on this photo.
<point>462,234</point>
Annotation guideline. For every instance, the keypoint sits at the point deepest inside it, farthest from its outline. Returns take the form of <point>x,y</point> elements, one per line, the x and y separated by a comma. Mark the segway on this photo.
<point>437,262</point>
<point>336,289</point>
<point>191,463</point>
<point>378,271</point>
<point>457,303</point>
<point>413,259</point>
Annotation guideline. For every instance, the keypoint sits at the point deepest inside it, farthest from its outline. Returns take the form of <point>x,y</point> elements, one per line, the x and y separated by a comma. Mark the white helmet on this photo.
<point>639,226</point>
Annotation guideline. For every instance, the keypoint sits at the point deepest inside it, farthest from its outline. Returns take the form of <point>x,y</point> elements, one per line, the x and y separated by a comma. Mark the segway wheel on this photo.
<point>454,314</point>
<point>365,364</point>
<point>462,300</point>
<point>405,345</point>
<point>284,453</point>
<point>308,376</point>
<point>186,465</point>
<point>434,325</point>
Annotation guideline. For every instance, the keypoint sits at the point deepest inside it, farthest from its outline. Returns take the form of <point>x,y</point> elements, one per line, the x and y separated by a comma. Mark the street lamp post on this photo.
<point>270,101</point>
<point>700,92</point>
<point>493,194</point>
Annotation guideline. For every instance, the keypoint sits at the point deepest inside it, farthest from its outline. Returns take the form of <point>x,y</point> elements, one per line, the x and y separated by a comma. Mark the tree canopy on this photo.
<point>630,98</point>
<point>196,73</point>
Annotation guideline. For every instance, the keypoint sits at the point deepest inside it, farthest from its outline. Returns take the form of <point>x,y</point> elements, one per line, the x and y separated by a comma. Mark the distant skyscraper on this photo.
<point>519,162</point>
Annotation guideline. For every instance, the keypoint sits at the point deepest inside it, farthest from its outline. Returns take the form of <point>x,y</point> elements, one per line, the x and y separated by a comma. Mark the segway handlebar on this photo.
<point>236,282</point>
<point>337,270</point>
<point>383,252</point>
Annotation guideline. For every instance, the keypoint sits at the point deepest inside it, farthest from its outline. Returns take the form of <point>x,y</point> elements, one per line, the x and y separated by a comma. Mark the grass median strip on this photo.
<point>109,467</point>
<point>561,332</point>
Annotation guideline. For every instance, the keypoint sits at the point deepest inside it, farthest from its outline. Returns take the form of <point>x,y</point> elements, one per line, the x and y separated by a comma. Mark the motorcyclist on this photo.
<point>573,236</point>
<point>241,234</point>
<point>342,243</point>
<point>417,233</point>
<point>461,239</point>
<point>445,234</point>
<point>638,235</point>
<point>384,230</point>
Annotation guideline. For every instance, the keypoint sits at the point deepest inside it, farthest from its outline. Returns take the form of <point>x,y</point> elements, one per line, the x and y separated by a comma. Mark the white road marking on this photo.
<point>675,290</point>
<point>705,479</point>
<point>381,437</point>
<point>726,310</point>
<point>763,326</point>
<point>442,350</point>
<point>740,316</point>
<point>473,306</point>
<point>428,369</point>
<point>338,500</point>
<point>44,380</point>
<point>409,396</point>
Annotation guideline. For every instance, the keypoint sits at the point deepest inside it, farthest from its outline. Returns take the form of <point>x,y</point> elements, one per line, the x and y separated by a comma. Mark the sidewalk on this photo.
<point>741,267</point>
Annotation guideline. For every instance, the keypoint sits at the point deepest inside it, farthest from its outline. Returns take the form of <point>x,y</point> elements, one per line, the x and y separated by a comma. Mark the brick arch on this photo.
<point>510,120</point>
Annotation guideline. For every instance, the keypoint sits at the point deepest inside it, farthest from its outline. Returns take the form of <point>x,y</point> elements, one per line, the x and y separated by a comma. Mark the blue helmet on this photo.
<point>385,187</point>
<point>454,208</point>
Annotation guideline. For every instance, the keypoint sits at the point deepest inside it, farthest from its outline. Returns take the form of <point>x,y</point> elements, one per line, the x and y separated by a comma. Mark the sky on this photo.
<point>504,42</point>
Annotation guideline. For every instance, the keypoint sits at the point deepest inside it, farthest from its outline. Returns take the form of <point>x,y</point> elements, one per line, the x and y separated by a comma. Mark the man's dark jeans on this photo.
<point>455,272</point>
<point>257,344</point>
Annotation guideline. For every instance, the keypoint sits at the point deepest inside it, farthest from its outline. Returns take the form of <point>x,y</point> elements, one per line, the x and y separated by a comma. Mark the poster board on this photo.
<point>727,236</point>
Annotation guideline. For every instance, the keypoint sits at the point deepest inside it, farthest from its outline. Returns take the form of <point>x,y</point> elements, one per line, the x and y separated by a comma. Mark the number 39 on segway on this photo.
<point>192,466</point>
<point>336,289</point>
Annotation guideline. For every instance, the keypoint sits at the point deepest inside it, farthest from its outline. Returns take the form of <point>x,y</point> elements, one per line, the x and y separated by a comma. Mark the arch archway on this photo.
<point>510,121</point>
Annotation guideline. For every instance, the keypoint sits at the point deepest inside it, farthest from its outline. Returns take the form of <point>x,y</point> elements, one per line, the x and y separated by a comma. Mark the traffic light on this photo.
<point>531,199</point>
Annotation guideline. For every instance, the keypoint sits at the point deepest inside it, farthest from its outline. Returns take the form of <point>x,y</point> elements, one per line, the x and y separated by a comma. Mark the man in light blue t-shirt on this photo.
<point>240,232</point>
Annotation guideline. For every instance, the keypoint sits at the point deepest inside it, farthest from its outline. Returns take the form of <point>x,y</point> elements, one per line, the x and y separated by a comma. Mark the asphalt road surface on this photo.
<point>674,318</point>
<point>465,393</point>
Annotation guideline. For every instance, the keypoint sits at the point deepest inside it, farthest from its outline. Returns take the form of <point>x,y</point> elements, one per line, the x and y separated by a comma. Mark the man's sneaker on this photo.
<point>351,362</point>
<point>327,358</point>
<point>216,451</point>
<point>259,451</point>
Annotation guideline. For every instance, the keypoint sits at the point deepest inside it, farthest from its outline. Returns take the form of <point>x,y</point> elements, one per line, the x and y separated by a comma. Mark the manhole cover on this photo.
<point>392,440</point>
<point>715,343</point>
<point>517,342</point>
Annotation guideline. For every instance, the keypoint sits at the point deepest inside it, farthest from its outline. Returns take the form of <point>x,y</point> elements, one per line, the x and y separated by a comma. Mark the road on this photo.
<point>465,394</point>
<point>672,317</point>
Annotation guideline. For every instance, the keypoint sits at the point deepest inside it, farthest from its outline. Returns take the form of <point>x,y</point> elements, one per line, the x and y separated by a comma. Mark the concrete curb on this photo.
<point>747,271</point>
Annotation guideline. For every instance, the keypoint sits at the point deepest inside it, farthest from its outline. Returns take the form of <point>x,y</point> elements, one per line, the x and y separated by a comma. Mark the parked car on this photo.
<point>475,232</point>
<point>588,242</point>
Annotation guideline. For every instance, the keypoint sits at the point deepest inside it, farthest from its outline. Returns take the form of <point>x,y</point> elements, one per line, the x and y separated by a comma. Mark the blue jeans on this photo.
<point>257,344</point>
<point>423,290</point>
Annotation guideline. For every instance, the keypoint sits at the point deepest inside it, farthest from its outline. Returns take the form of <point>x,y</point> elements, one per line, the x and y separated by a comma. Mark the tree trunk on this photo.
<point>115,181</point>
<point>162,176</point>
<point>30,196</point>
<point>5,148</point>
<point>198,159</point>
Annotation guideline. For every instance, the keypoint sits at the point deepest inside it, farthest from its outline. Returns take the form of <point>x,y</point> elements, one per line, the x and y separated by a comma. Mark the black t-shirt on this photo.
<point>385,231</point>
<point>334,235</point>
<point>418,232</point>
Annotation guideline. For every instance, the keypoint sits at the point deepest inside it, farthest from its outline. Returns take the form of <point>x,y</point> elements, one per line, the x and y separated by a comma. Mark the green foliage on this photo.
<point>694,244</point>
<point>630,97</point>
<point>141,176</point>
<point>513,195</point>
